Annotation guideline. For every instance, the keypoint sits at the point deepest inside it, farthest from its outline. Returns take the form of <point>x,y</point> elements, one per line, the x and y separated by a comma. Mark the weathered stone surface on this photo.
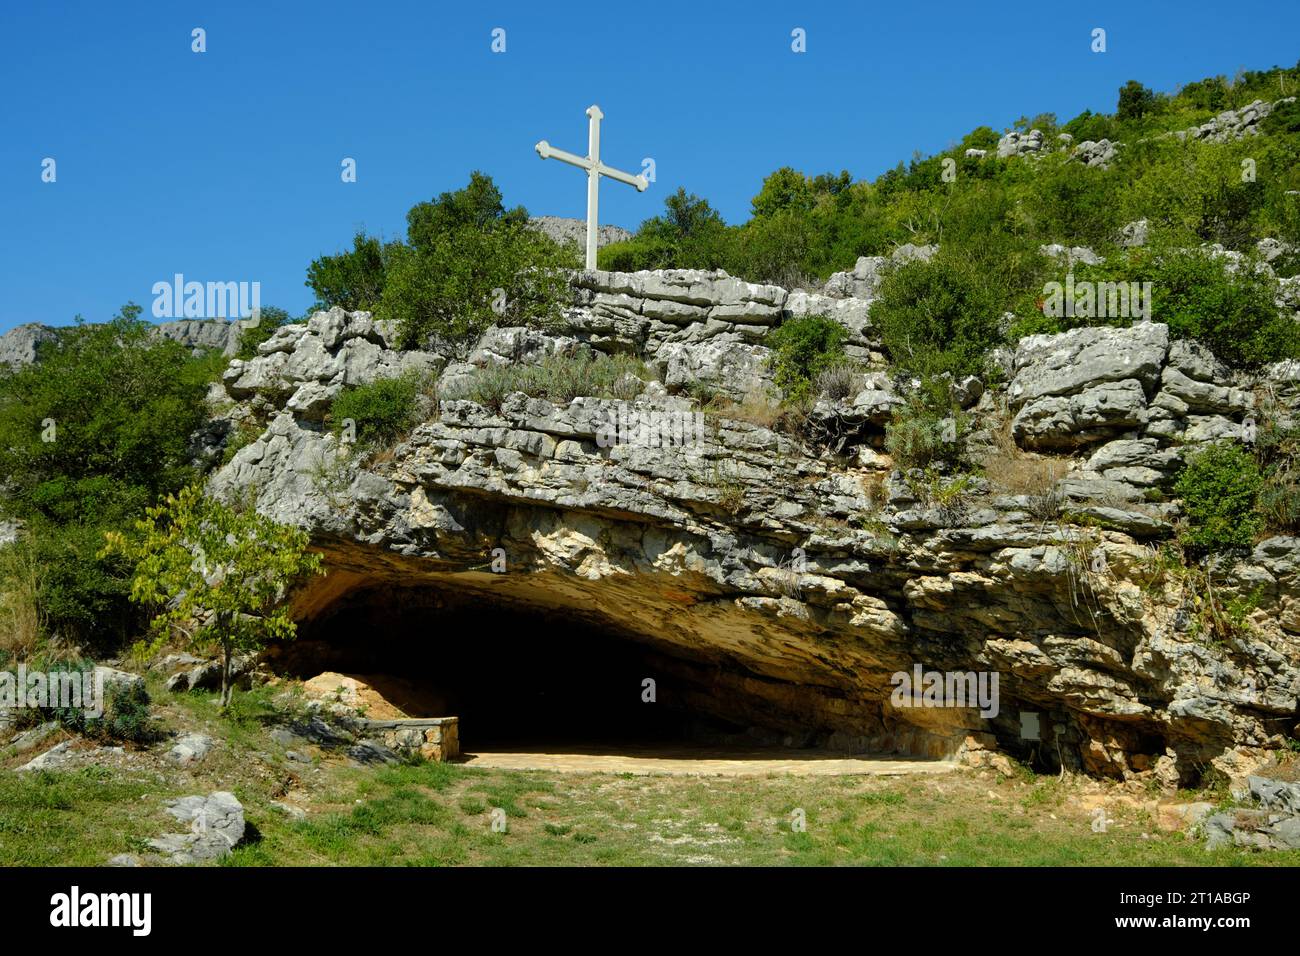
<point>863,280</point>
<point>574,231</point>
<point>1020,144</point>
<point>1083,358</point>
<point>190,748</point>
<point>1057,421</point>
<point>18,346</point>
<point>724,364</point>
<point>1098,154</point>
<point>216,826</point>
<point>1233,124</point>
<point>52,759</point>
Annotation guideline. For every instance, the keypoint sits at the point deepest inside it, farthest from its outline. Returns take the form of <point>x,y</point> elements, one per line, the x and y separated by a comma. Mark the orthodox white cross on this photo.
<point>595,169</point>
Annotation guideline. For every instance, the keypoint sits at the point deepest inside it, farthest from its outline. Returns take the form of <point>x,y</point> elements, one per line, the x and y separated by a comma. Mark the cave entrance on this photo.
<point>520,680</point>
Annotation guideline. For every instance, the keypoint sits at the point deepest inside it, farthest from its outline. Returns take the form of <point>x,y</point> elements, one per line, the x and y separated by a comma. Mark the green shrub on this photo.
<point>126,717</point>
<point>938,316</point>
<point>802,349</point>
<point>468,263</point>
<point>778,248</point>
<point>928,429</point>
<point>1234,315</point>
<point>1091,126</point>
<point>380,411</point>
<point>459,283</point>
<point>638,253</point>
<point>1219,486</point>
<point>353,280</point>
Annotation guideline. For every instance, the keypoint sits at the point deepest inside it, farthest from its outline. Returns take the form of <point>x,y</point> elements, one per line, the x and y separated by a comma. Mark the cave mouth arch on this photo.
<point>530,679</point>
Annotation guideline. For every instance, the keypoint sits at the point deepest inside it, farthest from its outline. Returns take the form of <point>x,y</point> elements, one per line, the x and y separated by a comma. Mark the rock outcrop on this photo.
<point>18,346</point>
<point>784,585</point>
<point>1234,124</point>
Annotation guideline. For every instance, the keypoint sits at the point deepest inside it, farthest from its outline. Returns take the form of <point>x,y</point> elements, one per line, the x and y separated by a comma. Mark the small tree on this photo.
<point>217,574</point>
<point>1135,101</point>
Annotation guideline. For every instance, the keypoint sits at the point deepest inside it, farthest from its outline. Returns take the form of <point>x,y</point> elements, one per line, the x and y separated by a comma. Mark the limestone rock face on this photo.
<point>784,582</point>
<point>216,826</point>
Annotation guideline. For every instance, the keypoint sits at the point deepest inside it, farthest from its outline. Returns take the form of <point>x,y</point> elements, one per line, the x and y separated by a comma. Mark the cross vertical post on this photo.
<point>594,169</point>
<point>593,181</point>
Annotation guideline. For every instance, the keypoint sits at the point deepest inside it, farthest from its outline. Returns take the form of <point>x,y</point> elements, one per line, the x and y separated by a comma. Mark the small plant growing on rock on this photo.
<point>215,575</point>
<point>928,429</point>
<point>838,381</point>
<point>802,350</point>
<point>1219,486</point>
<point>381,410</point>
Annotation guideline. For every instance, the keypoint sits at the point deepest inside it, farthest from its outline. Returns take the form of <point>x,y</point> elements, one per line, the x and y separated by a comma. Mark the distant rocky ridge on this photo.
<point>575,230</point>
<point>19,345</point>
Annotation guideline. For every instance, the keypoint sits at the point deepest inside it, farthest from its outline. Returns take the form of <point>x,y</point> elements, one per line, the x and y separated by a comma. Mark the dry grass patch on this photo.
<point>1015,471</point>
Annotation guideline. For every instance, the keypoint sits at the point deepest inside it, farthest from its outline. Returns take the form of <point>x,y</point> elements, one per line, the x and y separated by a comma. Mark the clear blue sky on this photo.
<point>225,165</point>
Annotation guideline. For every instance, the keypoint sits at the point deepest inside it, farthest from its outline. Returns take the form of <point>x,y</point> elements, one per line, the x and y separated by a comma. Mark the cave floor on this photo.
<point>702,761</point>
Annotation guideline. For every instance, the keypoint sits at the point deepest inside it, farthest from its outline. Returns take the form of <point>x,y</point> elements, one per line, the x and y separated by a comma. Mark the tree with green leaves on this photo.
<point>787,188</point>
<point>468,263</point>
<point>1135,101</point>
<point>352,279</point>
<point>215,575</point>
<point>92,433</point>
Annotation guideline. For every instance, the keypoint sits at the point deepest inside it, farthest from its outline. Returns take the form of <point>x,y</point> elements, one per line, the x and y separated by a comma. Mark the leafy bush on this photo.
<point>468,263</point>
<point>381,410</point>
<point>1135,101</point>
<point>802,349</point>
<point>1219,486</point>
<point>1234,315</point>
<point>938,316</point>
<point>214,575</point>
<point>456,284</point>
<point>126,717</point>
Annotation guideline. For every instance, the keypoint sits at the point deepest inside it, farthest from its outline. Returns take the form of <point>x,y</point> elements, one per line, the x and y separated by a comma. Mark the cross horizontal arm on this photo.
<point>639,182</point>
<point>547,151</point>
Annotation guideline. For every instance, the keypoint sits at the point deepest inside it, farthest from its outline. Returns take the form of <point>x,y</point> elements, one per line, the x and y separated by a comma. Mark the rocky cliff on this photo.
<point>782,581</point>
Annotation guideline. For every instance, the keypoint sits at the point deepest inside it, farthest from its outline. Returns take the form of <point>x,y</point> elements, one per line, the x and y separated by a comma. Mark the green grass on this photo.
<point>428,814</point>
<point>78,818</point>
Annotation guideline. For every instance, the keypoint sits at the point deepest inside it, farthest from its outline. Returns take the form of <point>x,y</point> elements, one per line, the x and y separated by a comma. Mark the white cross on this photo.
<point>595,169</point>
